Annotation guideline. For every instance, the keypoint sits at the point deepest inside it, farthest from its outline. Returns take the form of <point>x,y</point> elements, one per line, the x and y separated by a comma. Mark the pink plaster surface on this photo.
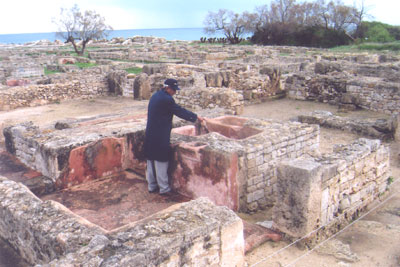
<point>231,127</point>
<point>199,172</point>
<point>93,161</point>
<point>228,126</point>
<point>185,130</point>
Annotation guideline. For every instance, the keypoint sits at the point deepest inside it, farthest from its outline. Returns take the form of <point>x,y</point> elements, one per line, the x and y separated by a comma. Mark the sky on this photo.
<point>32,16</point>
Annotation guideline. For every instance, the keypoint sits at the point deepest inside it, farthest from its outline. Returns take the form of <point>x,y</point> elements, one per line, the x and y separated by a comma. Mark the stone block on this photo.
<point>298,205</point>
<point>232,244</point>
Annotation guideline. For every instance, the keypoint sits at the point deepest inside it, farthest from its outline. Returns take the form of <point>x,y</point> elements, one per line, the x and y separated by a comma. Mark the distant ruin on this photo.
<point>234,164</point>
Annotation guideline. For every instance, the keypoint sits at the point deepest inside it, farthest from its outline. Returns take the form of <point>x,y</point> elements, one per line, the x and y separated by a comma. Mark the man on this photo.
<point>161,109</point>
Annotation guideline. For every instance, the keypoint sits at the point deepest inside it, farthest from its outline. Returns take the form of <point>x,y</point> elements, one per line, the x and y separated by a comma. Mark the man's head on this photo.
<point>172,83</point>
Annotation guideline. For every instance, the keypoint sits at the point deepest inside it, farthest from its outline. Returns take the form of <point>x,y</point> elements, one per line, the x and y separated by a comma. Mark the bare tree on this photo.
<point>232,25</point>
<point>283,11</point>
<point>342,16</point>
<point>73,26</point>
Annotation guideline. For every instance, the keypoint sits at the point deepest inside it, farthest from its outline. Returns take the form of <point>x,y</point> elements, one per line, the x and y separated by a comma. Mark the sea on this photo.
<point>184,34</point>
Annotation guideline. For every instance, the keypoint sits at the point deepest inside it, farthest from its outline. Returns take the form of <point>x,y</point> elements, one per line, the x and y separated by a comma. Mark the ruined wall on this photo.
<point>368,93</point>
<point>209,98</point>
<point>329,190</point>
<point>48,234</point>
<point>383,128</point>
<point>91,84</point>
<point>40,231</point>
<point>262,157</point>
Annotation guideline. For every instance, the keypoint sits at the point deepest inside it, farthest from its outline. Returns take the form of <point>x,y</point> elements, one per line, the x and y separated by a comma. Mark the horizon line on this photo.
<point>108,30</point>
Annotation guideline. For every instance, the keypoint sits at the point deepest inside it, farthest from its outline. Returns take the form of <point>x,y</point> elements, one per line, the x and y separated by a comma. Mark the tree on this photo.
<point>232,25</point>
<point>74,26</point>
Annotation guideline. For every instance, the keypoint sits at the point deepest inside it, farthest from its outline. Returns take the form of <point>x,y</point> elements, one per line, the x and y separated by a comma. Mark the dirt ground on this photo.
<point>374,240</point>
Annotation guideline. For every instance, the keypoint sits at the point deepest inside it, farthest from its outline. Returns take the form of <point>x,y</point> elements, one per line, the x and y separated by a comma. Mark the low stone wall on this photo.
<point>72,87</point>
<point>48,234</point>
<point>383,129</point>
<point>40,231</point>
<point>196,233</point>
<point>368,93</point>
<point>329,190</point>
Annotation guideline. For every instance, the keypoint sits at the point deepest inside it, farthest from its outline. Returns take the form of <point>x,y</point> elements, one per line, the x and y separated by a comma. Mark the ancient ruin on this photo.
<point>230,164</point>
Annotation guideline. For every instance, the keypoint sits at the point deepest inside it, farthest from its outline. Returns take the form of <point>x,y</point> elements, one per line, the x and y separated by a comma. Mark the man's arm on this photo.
<point>184,113</point>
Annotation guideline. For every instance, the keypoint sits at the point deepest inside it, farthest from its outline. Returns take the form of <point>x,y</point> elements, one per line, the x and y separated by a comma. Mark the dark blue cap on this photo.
<point>172,83</point>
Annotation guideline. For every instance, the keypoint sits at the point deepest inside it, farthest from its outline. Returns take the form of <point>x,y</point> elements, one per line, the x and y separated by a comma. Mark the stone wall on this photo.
<point>329,190</point>
<point>367,93</point>
<point>383,128</point>
<point>210,98</point>
<point>48,234</point>
<point>288,140</point>
<point>40,231</point>
<point>71,86</point>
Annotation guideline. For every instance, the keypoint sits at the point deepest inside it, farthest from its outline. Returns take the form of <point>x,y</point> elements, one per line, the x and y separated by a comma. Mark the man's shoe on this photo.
<point>154,191</point>
<point>168,194</point>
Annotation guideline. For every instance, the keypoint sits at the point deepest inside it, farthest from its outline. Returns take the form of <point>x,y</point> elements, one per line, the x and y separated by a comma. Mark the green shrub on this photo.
<point>378,33</point>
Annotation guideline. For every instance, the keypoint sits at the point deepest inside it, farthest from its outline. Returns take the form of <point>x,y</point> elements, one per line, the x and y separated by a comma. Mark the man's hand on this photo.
<point>200,119</point>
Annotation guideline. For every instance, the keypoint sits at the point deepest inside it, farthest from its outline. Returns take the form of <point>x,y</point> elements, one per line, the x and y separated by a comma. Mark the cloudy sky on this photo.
<point>29,16</point>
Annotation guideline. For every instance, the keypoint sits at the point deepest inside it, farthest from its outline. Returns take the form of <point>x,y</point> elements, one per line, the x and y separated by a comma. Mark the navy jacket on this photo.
<point>161,109</point>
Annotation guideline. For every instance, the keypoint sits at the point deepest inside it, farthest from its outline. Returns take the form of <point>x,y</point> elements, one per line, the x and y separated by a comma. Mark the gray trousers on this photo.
<point>156,175</point>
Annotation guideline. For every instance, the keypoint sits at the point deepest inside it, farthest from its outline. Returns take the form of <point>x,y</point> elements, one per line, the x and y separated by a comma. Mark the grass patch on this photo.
<point>51,52</point>
<point>393,46</point>
<point>93,47</point>
<point>50,72</point>
<point>83,65</point>
<point>120,60</point>
<point>147,62</point>
<point>245,42</point>
<point>73,53</point>
<point>134,70</point>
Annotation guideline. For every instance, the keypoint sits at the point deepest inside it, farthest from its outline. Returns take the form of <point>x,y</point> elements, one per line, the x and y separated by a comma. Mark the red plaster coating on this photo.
<point>185,130</point>
<point>32,174</point>
<point>17,82</point>
<point>231,127</point>
<point>133,156</point>
<point>255,235</point>
<point>92,161</point>
<point>199,172</point>
<point>230,120</point>
<point>113,119</point>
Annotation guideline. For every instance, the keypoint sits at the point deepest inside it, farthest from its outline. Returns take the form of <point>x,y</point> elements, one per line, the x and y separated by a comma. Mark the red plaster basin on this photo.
<point>228,126</point>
